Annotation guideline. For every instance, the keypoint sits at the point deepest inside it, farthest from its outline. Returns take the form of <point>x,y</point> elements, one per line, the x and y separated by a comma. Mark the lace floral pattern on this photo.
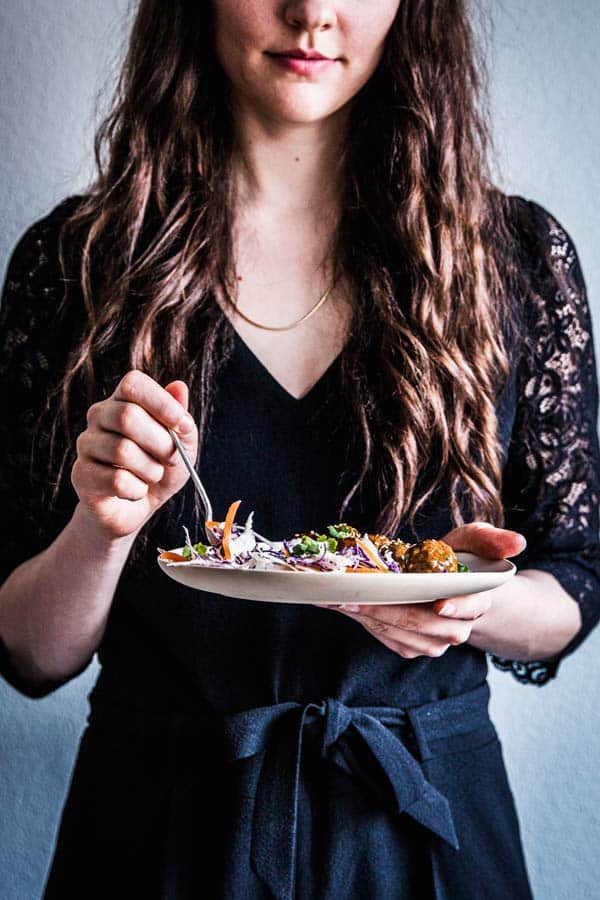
<point>552,475</point>
<point>551,487</point>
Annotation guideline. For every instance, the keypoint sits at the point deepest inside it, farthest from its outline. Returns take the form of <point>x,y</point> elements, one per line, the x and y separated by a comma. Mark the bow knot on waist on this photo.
<point>360,740</point>
<point>337,719</point>
<point>277,732</point>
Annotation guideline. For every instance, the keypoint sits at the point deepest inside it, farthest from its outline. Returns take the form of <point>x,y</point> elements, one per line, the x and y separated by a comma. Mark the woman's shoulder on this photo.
<point>558,332</point>
<point>36,321</point>
<point>556,290</point>
<point>36,248</point>
<point>34,279</point>
<point>547,248</point>
<point>50,222</point>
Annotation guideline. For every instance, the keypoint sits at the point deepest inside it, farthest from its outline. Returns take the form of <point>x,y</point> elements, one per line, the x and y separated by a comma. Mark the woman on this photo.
<point>311,260</point>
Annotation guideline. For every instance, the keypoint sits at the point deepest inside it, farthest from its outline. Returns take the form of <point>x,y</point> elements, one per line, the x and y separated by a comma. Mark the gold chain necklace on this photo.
<point>303,318</point>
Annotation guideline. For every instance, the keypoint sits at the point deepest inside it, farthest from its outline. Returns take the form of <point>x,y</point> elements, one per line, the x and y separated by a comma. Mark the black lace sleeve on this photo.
<point>33,351</point>
<point>552,474</point>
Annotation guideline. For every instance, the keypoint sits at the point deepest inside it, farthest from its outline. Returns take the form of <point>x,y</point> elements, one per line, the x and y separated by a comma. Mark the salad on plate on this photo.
<point>339,548</point>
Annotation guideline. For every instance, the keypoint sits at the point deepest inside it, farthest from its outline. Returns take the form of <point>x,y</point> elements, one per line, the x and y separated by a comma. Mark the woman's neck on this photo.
<point>288,169</point>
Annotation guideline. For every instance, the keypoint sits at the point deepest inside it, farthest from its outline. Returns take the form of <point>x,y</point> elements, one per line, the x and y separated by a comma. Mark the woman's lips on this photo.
<point>301,66</point>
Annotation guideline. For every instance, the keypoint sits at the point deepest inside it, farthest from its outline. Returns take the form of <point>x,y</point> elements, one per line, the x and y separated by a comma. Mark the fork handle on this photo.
<point>194,475</point>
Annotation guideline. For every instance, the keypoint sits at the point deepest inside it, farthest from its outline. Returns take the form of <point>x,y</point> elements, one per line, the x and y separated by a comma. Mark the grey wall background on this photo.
<point>545,88</point>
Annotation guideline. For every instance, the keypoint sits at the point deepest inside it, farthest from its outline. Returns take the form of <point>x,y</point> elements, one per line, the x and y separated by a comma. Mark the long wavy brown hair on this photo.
<point>425,241</point>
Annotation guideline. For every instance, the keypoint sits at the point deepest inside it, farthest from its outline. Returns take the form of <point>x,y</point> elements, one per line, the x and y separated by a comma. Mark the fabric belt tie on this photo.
<point>278,731</point>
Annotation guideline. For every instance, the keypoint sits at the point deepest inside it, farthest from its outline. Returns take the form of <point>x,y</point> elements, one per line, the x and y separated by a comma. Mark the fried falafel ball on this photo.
<point>396,548</point>
<point>431,556</point>
<point>379,540</point>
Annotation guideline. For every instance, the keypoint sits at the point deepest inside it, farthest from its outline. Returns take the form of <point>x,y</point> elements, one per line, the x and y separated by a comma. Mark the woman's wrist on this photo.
<point>55,605</point>
<point>531,617</point>
<point>83,531</point>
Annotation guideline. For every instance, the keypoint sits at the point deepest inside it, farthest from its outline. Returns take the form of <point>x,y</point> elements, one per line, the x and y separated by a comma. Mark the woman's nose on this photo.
<point>312,15</point>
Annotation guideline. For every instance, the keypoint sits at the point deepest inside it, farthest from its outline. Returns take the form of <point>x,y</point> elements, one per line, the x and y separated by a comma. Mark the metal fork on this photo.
<point>208,513</point>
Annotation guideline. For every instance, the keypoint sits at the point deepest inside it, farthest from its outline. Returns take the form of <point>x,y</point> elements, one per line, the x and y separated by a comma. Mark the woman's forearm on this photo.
<point>54,607</point>
<point>532,617</point>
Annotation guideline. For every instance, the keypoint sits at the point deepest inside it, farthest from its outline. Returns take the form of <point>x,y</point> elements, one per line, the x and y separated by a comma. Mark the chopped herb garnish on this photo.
<point>199,548</point>
<point>341,531</point>
<point>307,546</point>
<point>463,568</point>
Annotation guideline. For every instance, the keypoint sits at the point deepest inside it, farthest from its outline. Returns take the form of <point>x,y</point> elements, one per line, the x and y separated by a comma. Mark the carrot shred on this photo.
<point>364,569</point>
<point>227,526</point>
<point>372,556</point>
<point>212,524</point>
<point>176,557</point>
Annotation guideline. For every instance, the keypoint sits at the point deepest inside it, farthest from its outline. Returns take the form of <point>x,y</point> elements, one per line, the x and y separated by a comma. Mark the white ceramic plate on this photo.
<point>334,588</point>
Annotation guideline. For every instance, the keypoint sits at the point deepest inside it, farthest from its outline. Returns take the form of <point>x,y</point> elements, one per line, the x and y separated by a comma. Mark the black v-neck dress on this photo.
<point>244,749</point>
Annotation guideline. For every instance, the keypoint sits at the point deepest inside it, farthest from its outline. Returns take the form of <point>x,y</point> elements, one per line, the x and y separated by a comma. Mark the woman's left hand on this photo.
<point>428,629</point>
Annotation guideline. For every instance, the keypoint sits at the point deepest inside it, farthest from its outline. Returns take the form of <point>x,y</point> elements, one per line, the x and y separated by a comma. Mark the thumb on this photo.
<point>484,539</point>
<point>189,435</point>
<point>179,390</point>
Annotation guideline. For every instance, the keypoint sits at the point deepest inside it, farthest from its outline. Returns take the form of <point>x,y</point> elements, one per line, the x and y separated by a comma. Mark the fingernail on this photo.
<point>186,425</point>
<point>350,607</point>
<point>448,609</point>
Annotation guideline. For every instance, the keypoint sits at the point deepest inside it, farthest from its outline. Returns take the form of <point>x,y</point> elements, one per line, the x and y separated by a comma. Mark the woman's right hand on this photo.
<point>127,465</point>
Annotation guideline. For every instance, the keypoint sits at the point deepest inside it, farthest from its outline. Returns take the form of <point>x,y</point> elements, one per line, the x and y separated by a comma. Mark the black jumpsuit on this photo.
<point>239,749</point>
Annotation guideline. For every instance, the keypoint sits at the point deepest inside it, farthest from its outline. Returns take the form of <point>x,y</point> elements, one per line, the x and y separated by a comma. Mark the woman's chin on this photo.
<point>300,110</point>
